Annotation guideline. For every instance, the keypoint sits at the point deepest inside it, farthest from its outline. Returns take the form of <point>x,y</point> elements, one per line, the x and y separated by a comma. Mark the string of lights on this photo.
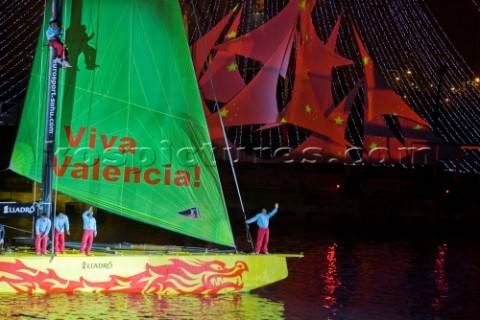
<point>405,41</point>
<point>415,42</point>
<point>452,107</point>
<point>407,45</point>
<point>449,80</point>
<point>19,28</point>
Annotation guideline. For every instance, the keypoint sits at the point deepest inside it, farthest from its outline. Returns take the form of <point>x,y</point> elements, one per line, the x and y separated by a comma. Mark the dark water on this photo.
<point>344,275</point>
<point>414,278</point>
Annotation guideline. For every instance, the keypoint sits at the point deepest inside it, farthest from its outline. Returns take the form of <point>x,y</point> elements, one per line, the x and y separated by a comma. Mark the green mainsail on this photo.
<point>131,134</point>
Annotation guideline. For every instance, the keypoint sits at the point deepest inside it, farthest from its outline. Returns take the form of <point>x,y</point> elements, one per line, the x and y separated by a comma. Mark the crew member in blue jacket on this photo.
<point>263,236</point>
<point>42,228</point>
<point>89,231</point>
<point>61,226</point>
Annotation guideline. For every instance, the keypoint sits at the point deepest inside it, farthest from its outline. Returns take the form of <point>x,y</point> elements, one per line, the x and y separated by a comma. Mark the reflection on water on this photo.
<point>123,306</point>
<point>339,278</point>
<point>442,285</point>
<point>332,282</point>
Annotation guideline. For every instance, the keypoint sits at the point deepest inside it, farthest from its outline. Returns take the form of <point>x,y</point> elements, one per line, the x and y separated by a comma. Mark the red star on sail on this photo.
<point>257,102</point>
<point>379,144</point>
<point>415,131</point>
<point>261,43</point>
<point>421,142</point>
<point>318,147</point>
<point>418,140</point>
<point>321,58</point>
<point>306,7</point>
<point>338,116</point>
<point>303,109</point>
<point>380,99</point>
<point>223,73</point>
<point>202,47</point>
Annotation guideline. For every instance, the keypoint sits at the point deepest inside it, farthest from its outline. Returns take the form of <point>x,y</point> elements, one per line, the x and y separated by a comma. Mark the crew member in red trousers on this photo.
<point>263,236</point>
<point>61,226</point>
<point>89,231</point>
<point>42,228</point>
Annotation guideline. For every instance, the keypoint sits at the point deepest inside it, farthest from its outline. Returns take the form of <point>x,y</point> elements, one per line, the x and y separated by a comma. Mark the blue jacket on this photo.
<point>61,223</point>
<point>89,223</point>
<point>263,218</point>
<point>54,33</point>
<point>43,225</point>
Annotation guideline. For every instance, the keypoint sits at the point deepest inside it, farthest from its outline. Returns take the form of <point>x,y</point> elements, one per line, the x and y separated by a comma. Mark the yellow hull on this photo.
<point>179,273</point>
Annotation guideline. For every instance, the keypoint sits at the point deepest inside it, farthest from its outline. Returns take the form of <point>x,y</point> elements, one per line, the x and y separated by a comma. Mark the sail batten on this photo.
<point>133,137</point>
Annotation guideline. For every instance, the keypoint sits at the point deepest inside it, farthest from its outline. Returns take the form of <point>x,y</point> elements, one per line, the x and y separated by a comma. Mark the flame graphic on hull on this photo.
<point>177,276</point>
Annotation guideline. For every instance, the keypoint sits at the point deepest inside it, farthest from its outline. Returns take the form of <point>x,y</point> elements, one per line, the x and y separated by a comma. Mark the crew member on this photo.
<point>61,226</point>
<point>54,34</point>
<point>42,228</point>
<point>263,236</point>
<point>89,231</point>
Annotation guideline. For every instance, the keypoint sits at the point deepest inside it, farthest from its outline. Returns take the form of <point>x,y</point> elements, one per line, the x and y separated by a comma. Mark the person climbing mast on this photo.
<point>54,34</point>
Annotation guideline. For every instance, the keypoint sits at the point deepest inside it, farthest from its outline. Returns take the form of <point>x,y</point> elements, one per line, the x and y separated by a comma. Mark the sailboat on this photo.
<point>128,136</point>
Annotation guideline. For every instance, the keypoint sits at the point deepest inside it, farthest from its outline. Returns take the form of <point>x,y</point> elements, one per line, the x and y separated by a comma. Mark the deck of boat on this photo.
<point>171,270</point>
<point>25,247</point>
<point>23,252</point>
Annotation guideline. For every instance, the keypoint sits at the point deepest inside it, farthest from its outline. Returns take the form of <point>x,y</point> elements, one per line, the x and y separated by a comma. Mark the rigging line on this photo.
<point>217,109</point>
<point>17,229</point>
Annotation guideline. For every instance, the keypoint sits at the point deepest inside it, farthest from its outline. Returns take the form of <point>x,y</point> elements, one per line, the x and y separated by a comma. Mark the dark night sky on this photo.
<point>461,21</point>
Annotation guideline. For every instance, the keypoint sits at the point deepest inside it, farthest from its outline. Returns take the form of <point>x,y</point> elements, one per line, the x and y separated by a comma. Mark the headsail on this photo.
<point>132,134</point>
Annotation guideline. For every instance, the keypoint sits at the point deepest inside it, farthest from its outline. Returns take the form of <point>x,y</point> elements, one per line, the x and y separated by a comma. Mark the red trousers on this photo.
<point>262,240</point>
<point>41,242</point>
<point>59,242</point>
<point>87,240</point>
<point>60,48</point>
